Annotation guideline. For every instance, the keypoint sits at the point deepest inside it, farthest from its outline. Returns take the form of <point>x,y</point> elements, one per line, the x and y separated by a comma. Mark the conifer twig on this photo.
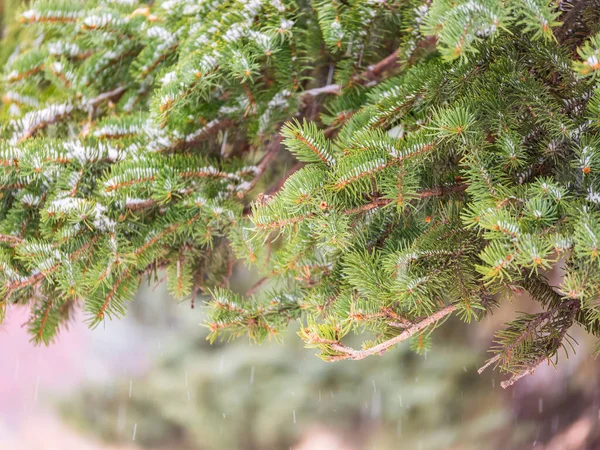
<point>272,151</point>
<point>571,309</point>
<point>351,353</point>
<point>378,202</point>
<point>528,329</point>
<point>256,286</point>
<point>12,240</point>
<point>92,103</point>
<point>527,371</point>
<point>373,72</point>
<point>281,181</point>
<point>139,205</point>
<point>200,136</point>
<point>44,320</point>
<point>109,95</point>
<point>335,89</point>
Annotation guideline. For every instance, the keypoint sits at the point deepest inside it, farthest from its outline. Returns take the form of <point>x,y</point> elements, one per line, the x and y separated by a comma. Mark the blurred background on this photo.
<point>151,381</point>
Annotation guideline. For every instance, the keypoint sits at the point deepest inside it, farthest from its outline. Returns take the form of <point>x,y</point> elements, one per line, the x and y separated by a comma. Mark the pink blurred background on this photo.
<point>31,376</point>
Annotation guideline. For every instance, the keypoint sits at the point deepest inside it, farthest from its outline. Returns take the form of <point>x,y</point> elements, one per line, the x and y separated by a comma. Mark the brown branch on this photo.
<point>489,363</point>
<point>139,205</point>
<point>111,294</point>
<point>114,187</point>
<point>574,307</point>
<point>334,89</point>
<point>343,183</point>
<point>393,319</point>
<point>272,151</point>
<point>203,135</point>
<point>166,231</point>
<point>350,353</point>
<point>256,286</point>
<point>374,72</point>
<point>426,193</point>
<point>30,280</point>
<point>158,60</point>
<point>27,73</point>
<point>110,95</point>
<point>205,173</point>
<point>39,276</point>
<point>398,321</point>
<point>443,190</point>
<point>42,125</point>
<point>378,202</point>
<point>262,167</point>
<point>84,247</point>
<point>92,103</point>
<point>283,222</point>
<point>340,120</point>
<point>528,329</point>
<point>401,324</point>
<point>12,240</point>
<point>44,319</point>
<point>275,187</point>
<point>528,371</point>
<point>155,265</point>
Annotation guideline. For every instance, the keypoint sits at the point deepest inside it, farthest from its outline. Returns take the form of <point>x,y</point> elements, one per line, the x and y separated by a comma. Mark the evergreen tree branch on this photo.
<point>334,89</point>
<point>106,96</point>
<point>350,353</point>
<point>199,136</point>
<point>274,188</point>
<point>527,371</point>
<point>272,150</point>
<point>572,310</point>
<point>44,320</point>
<point>374,72</point>
<point>466,157</point>
<point>12,240</point>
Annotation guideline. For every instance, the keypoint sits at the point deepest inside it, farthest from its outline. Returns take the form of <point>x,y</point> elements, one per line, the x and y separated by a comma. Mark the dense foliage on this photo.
<point>446,155</point>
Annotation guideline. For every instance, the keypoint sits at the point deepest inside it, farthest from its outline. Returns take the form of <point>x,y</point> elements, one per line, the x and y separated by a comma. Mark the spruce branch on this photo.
<point>271,153</point>
<point>12,240</point>
<point>374,72</point>
<point>111,95</point>
<point>531,326</point>
<point>529,370</point>
<point>440,152</point>
<point>58,113</point>
<point>573,309</point>
<point>346,352</point>
<point>200,135</point>
<point>334,89</point>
